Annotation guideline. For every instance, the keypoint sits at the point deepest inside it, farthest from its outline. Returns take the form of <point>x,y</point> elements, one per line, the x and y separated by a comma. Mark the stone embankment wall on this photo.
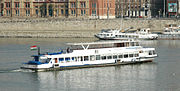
<point>73,27</point>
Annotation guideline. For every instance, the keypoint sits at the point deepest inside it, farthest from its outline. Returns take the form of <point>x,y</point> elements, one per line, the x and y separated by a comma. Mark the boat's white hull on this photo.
<point>141,37</point>
<point>87,64</point>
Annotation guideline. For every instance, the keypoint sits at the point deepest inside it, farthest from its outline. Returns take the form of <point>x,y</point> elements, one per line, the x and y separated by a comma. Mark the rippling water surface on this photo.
<point>161,75</point>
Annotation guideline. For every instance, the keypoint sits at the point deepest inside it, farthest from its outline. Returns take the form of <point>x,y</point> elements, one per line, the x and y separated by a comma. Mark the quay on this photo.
<point>73,28</point>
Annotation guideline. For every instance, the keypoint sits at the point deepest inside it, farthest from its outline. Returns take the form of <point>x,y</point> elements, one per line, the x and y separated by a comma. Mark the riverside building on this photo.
<point>101,9</point>
<point>78,8</point>
<point>133,8</point>
<point>34,8</point>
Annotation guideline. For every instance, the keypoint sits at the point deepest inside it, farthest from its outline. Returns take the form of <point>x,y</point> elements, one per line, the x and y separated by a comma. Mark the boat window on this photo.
<point>136,55</point>
<point>80,58</point>
<point>136,44</point>
<point>36,58</point>
<point>61,59</point>
<point>130,55</point>
<point>92,58</point>
<point>133,44</point>
<point>56,60</point>
<point>97,57</point>
<point>154,52</point>
<point>86,58</point>
<point>73,58</point>
<point>109,57</point>
<point>119,44</point>
<point>67,59</point>
<point>120,56</point>
<point>125,55</point>
<point>140,51</point>
<point>114,56</point>
<point>45,60</point>
<point>127,44</point>
<point>150,53</point>
<point>103,57</point>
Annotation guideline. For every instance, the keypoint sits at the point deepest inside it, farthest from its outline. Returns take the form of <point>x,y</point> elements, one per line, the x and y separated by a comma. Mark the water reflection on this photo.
<point>161,43</point>
<point>125,77</point>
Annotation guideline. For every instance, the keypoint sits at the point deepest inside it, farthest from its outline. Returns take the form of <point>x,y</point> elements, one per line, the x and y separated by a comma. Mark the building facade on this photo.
<point>102,9</point>
<point>133,8</point>
<point>158,8</point>
<point>58,8</point>
<point>78,8</point>
<point>34,8</point>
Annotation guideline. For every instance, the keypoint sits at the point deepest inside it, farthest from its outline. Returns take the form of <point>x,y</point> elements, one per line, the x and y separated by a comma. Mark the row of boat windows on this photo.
<point>126,36</point>
<point>120,36</point>
<point>97,57</point>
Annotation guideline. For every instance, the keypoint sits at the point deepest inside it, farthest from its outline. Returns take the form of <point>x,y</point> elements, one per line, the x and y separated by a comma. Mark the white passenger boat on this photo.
<point>115,34</point>
<point>94,54</point>
<point>172,29</point>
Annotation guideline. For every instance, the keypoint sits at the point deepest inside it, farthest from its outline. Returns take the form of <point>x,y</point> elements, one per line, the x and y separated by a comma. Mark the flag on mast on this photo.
<point>34,47</point>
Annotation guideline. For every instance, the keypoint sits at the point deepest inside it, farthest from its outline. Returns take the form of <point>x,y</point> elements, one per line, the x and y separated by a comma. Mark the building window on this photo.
<point>93,12</point>
<point>8,12</point>
<point>37,12</point>
<point>62,11</point>
<point>83,12</point>
<point>83,4</point>
<point>93,5</point>
<point>73,4</point>
<point>17,12</point>
<point>17,4</point>
<point>27,5</point>
<point>8,5</point>
<point>28,12</point>
<point>57,12</point>
<point>73,12</point>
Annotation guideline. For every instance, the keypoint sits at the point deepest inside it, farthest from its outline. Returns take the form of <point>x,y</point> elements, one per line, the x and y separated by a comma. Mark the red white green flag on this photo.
<point>34,47</point>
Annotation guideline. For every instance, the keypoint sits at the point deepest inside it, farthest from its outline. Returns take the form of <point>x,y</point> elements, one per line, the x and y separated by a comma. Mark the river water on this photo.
<point>161,75</point>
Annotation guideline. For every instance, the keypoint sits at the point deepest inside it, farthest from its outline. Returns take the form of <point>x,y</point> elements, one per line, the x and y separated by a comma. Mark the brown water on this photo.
<point>161,75</point>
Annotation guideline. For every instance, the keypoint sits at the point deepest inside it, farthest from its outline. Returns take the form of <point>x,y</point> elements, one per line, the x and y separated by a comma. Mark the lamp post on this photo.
<point>108,10</point>
<point>164,8</point>
<point>11,8</point>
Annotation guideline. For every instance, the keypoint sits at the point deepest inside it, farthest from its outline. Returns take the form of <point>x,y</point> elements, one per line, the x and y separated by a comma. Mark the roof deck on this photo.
<point>104,44</point>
